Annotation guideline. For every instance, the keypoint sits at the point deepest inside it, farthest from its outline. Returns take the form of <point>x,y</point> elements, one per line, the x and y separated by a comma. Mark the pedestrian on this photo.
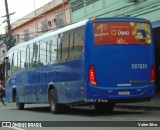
<point>1,93</point>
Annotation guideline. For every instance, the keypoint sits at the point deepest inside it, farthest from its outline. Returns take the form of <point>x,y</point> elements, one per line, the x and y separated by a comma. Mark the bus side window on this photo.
<point>19,60</point>
<point>53,49</point>
<point>79,41</point>
<point>12,62</point>
<point>43,59</point>
<point>71,57</point>
<point>51,52</point>
<point>7,68</point>
<point>8,63</point>
<point>34,54</point>
<point>65,46</point>
<point>59,48</point>
<point>27,61</point>
<point>76,42</point>
<point>15,62</point>
<point>22,58</point>
<point>48,50</point>
<point>31,55</point>
<point>38,61</point>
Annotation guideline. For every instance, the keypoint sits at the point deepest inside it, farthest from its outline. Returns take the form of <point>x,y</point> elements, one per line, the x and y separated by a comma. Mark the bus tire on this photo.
<point>104,107</point>
<point>55,107</point>
<point>19,106</point>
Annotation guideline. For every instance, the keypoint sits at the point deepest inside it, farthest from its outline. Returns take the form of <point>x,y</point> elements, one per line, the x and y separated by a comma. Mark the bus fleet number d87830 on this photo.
<point>138,66</point>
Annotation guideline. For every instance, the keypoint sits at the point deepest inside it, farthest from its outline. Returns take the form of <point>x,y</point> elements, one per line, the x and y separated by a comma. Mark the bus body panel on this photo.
<point>118,95</point>
<point>113,68</point>
<point>67,78</point>
<point>122,72</point>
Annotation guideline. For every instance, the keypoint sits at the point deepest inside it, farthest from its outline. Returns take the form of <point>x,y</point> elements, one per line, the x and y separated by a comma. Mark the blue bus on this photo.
<point>98,61</point>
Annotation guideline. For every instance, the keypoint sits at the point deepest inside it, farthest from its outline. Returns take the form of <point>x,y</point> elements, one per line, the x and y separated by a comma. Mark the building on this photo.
<point>52,15</point>
<point>82,9</point>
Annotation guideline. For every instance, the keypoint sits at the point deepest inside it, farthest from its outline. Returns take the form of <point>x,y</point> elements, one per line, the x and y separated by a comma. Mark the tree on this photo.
<point>9,40</point>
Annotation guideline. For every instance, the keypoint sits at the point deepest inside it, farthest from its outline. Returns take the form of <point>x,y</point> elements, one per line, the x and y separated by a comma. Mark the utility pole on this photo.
<point>9,40</point>
<point>8,17</point>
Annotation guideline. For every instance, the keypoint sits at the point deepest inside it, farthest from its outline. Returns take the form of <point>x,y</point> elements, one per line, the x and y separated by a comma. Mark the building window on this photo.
<point>36,29</point>
<point>77,4</point>
<point>88,2</point>
<point>3,52</point>
<point>26,35</point>
<point>17,38</point>
<point>45,26</point>
<point>60,20</point>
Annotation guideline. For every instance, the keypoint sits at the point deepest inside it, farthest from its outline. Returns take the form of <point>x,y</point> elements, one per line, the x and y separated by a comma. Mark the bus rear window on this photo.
<point>122,33</point>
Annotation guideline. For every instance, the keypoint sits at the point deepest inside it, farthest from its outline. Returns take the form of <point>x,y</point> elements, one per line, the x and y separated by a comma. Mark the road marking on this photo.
<point>16,128</point>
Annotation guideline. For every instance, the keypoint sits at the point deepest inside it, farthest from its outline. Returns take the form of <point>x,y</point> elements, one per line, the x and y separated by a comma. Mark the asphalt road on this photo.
<point>42,113</point>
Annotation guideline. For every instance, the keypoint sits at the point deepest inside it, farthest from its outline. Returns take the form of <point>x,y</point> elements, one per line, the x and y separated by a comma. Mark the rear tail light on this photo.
<point>92,76</point>
<point>152,74</point>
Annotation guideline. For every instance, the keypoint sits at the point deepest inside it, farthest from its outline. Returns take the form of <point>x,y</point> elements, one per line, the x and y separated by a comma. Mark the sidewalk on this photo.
<point>153,104</point>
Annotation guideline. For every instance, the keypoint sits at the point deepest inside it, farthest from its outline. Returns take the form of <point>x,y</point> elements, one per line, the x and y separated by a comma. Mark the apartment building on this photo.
<point>50,16</point>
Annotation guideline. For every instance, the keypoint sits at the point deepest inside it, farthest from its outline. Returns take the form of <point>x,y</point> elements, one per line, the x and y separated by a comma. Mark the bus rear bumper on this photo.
<point>121,94</point>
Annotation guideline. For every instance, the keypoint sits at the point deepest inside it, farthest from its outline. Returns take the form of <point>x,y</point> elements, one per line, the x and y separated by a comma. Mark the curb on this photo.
<point>139,107</point>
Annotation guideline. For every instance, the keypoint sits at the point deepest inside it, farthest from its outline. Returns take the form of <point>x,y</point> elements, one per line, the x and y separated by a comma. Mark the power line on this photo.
<point>2,22</point>
<point>142,7</point>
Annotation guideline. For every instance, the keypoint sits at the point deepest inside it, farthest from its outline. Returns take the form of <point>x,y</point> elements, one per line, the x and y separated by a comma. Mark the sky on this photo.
<point>20,7</point>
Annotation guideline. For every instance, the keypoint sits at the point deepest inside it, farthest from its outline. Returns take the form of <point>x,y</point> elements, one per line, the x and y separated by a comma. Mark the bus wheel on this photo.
<point>104,107</point>
<point>55,107</point>
<point>19,106</point>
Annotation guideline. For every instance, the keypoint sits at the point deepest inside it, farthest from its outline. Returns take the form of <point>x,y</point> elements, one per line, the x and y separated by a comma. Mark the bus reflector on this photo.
<point>152,74</point>
<point>92,76</point>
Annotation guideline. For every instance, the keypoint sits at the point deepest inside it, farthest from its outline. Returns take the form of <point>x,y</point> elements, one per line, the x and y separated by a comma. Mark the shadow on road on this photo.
<point>81,111</point>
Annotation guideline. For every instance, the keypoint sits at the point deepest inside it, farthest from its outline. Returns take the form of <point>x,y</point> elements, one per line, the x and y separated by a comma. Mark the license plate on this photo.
<point>124,93</point>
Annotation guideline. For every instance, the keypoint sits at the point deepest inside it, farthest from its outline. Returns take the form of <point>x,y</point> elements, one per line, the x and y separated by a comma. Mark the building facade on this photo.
<point>82,9</point>
<point>52,15</point>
